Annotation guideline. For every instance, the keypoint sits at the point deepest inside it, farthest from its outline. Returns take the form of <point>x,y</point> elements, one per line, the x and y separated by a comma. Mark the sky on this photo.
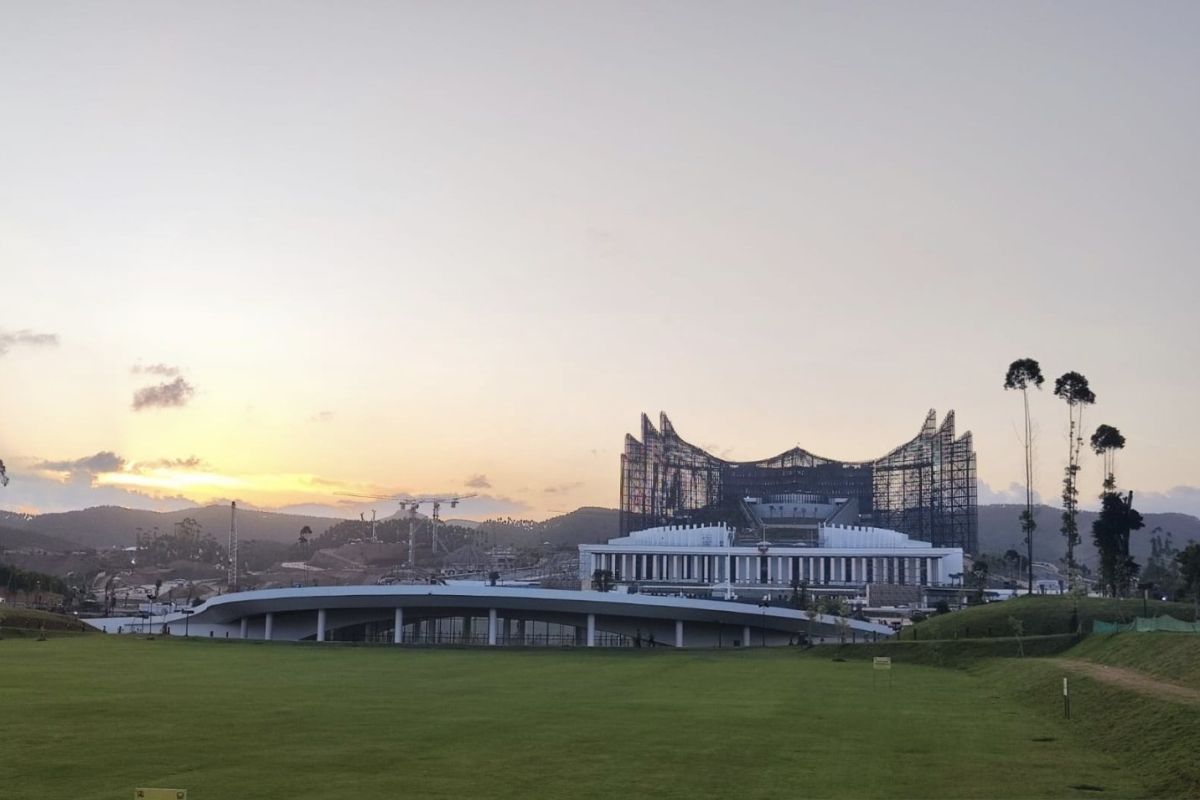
<point>278,251</point>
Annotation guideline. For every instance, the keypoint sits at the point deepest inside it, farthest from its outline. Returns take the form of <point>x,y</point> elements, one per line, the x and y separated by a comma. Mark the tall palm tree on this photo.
<point>1072,388</point>
<point>1023,373</point>
<point>1106,441</point>
<point>1117,518</point>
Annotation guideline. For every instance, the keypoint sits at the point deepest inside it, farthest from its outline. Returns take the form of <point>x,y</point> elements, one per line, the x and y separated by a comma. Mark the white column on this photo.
<point>769,573</point>
<point>679,633</point>
<point>745,636</point>
<point>268,625</point>
<point>244,625</point>
<point>591,633</point>
<point>321,625</point>
<point>398,626</point>
<point>491,626</point>
<point>820,570</point>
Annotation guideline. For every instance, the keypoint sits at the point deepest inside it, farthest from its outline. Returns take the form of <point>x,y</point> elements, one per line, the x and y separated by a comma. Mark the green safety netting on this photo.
<point>1147,625</point>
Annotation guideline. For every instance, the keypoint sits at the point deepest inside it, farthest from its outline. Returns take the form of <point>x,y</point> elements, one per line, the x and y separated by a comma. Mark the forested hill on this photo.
<point>1000,530</point>
<point>113,526</point>
<point>109,526</point>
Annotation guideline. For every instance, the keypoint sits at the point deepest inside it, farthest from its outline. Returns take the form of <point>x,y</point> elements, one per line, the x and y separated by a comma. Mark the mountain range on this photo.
<point>110,526</point>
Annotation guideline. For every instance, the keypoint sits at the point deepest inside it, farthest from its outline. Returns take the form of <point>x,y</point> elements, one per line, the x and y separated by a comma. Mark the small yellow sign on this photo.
<point>160,794</point>
<point>883,662</point>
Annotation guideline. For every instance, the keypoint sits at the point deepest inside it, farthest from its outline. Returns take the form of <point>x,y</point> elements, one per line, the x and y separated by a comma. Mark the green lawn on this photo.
<point>93,717</point>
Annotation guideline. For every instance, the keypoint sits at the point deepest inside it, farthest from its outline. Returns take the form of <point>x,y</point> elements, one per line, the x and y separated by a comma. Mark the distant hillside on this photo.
<point>583,525</point>
<point>14,538</point>
<point>1000,530</point>
<point>112,526</point>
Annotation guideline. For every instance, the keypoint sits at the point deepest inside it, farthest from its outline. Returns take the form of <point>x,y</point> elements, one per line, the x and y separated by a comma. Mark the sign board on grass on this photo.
<point>883,662</point>
<point>160,794</point>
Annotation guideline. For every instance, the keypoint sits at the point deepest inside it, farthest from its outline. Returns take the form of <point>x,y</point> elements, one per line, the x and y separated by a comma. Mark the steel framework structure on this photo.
<point>925,487</point>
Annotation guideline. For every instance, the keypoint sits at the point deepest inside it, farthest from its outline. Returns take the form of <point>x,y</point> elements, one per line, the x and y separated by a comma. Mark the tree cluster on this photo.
<point>187,541</point>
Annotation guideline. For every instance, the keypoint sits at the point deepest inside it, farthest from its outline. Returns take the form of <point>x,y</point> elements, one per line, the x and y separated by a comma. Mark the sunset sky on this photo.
<point>273,251</point>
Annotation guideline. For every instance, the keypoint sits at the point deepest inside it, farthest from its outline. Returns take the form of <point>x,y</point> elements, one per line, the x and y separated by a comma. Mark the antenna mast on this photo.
<point>233,547</point>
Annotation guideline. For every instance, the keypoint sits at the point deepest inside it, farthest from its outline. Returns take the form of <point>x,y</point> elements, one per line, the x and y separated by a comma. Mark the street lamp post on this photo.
<point>187,617</point>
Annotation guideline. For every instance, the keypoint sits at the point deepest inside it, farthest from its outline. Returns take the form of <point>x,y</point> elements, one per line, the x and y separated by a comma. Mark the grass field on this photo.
<point>95,716</point>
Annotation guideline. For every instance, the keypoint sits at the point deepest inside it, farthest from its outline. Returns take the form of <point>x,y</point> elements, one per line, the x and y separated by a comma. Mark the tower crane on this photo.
<point>413,502</point>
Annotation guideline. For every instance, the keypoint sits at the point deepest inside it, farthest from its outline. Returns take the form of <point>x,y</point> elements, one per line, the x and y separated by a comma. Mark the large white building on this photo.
<point>709,560</point>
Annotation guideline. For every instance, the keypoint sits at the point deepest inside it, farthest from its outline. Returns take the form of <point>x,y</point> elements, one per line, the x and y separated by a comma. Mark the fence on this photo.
<point>1163,623</point>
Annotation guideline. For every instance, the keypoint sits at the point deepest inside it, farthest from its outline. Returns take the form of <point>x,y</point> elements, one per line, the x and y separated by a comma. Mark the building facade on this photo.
<point>924,488</point>
<point>707,560</point>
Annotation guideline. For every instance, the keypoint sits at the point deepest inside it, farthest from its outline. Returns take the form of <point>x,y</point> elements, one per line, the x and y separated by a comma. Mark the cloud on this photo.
<point>104,461</point>
<point>191,462</point>
<point>321,416</point>
<point>42,495</point>
<point>478,481</point>
<point>1177,499</point>
<point>1013,495</point>
<point>162,370</point>
<point>562,488</point>
<point>165,395</point>
<point>27,338</point>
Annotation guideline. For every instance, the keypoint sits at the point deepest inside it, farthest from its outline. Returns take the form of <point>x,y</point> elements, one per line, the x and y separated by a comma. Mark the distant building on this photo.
<point>924,488</point>
<point>802,541</point>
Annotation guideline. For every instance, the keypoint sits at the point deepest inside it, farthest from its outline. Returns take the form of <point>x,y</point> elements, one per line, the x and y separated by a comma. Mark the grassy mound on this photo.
<point>1171,657</point>
<point>19,621</point>
<point>1041,616</point>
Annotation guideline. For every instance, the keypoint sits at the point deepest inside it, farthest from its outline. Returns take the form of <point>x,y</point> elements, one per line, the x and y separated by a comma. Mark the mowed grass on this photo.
<point>94,717</point>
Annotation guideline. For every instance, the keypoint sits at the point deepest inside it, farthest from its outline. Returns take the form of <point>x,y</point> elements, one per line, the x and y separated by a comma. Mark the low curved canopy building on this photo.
<point>924,488</point>
<point>491,615</point>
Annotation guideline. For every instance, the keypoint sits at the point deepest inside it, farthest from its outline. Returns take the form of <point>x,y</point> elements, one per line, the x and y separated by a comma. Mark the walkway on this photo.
<point>1132,680</point>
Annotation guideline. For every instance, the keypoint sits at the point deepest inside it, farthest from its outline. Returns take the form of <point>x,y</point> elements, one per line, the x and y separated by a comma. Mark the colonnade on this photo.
<point>585,634</point>
<point>782,570</point>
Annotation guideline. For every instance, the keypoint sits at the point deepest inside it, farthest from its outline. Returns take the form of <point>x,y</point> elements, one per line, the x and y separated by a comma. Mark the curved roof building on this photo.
<point>924,488</point>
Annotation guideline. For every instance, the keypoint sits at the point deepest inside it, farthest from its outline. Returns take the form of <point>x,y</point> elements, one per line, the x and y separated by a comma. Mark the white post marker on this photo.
<point>1066,700</point>
<point>881,663</point>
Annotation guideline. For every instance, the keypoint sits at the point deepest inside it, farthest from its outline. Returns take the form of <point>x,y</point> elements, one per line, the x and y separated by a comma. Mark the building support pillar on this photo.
<point>591,630</point>
<point>745,636</point>
<point>245,625</point>
<point>679,633</point>
<point>492,626</point>
<point>398,626</point>
<point>268,625</point>
<point>320,625</point>
<point>521,631</point>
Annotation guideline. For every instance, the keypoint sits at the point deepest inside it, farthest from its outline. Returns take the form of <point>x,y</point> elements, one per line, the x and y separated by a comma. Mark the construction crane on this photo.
<point>413,502</point>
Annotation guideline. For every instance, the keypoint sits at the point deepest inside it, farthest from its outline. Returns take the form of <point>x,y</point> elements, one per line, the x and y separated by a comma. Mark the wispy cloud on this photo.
<point>321,416</point>
<point>175,394</point>
<point>478,481</point>
<point>191,462</point>
<point>1013,495</point>
<point>162,370</point>
<point>26,338</point>
<point>563,488</point>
